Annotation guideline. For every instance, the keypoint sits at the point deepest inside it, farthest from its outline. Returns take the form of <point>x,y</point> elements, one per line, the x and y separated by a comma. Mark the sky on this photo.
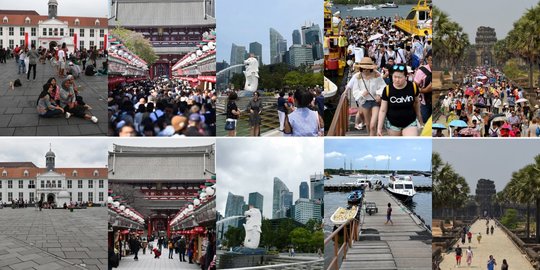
<point>249,165</point>
<point>80,152</point>
<point>245,21</point>
<point>497,14</point>
<point>404,154</point>
<point>93,8</point>
<point>488,159</point>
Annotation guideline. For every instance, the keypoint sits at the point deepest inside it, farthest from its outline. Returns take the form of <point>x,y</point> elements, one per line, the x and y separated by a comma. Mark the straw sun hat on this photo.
<point>366,63</point>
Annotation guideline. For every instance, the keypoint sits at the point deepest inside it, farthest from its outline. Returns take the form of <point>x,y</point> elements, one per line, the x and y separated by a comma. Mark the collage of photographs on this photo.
<point>361,105</point>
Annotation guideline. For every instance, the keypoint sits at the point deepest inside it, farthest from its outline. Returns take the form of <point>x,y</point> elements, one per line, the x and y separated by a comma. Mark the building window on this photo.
<point>91,44</point>
<point>44,31</point>
<point>21,184</point>
<point>90,196</point>
<point>5,20</point>
<point>0,196</point>
<point>50,32</point>
<point>31,199</point>
<point>11,43</point>
<point>33,31</point>
<point>81,44</point>
<point>21,32</point>
<point>91,32</point>
<point>59,183</point>
<point>10,196</point>
<point>21,196</point>
<point>79,196</point>
<point>100,196</point>
<point>90,183</point>
<point>77,22</point>
<point>61,32</point>
<point>96,173</point>
<point>97,22</point>
<point>74,173</point>
<point>71,32</point>
<point>42,184</point>
<point>1,30</point>
<point>69,184</point>
<point>33,43</point>
<point>79,184</point>
<point>81,32</point>
<point>31,184</point>
<point>101,33</point>
<point>70,197</point>
<point>11,31</point>
<point>27,20</point>
<point>25,173</point>
<point>21,42</point>
<point>101,183</point>
<point>56,31</point>
<point>9,184</point>
<point>101,44</point>
<point>4,173</point>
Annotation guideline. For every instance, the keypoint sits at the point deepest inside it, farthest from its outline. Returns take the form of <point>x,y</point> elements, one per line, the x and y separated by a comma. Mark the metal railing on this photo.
<point>350,232</point>
<point>315,264</point>
<point>340,121</point>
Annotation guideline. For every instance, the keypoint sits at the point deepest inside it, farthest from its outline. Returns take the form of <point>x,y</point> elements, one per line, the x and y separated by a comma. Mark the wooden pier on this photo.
<point>404,245</point>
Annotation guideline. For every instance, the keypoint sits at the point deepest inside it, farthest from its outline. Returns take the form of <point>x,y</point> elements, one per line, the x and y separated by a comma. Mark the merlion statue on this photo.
<point>251,73</point>
<point>252,227</point>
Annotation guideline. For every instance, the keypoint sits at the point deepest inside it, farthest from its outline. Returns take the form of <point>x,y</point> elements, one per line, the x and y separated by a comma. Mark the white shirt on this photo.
<point>375,85</point>
<point>358,54</point>
<point>61,55</point>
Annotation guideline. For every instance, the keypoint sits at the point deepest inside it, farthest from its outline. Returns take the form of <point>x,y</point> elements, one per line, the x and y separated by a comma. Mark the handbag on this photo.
<point>230,124</point>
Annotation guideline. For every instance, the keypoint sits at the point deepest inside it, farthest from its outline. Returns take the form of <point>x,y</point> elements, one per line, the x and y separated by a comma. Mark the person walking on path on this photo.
<point>504,265</point>
<point>479,237</point>
<point>491,263</point>
<point>389,214</point>
<point>32,58</point>
<point>135,246</point>
<point>492,229</point>
<point>171,249</point>
<point>469,236</point>
<point>469,256</point>
<point>459,253</point>
<point>182,248</point>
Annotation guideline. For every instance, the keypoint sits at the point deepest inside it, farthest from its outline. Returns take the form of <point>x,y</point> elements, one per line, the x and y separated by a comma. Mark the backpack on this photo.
<point>538,131</point>
<point>388,90</point>
<point>17,83</point>
<point>427,81</point>
<point>415,61</point>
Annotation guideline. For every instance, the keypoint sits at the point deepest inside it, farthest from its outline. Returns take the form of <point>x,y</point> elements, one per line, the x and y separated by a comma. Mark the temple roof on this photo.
<point>132,13</point>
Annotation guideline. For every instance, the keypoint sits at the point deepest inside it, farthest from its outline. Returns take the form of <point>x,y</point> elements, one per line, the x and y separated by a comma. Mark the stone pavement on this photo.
<point>147,261</point>
<point>53,239</point>
<point>18,115</point>
<point>499,245</point>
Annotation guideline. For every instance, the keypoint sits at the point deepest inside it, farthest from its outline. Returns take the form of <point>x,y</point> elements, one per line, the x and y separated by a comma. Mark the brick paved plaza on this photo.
<point>53,239</point>
<point>18,115</point>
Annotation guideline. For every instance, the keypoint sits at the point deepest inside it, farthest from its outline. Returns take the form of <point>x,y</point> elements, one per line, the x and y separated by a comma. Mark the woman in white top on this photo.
<point>367,86</point>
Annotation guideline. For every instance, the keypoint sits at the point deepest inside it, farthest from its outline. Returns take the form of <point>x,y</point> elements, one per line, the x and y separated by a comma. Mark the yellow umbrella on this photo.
<point>426,132</point>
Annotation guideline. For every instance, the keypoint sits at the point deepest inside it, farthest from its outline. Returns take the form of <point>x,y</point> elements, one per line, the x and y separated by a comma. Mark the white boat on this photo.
<point>364,7</point>
<point>401,187</point>
<point>341,215</point>
<point>362,181</point>
<point>388,5</point>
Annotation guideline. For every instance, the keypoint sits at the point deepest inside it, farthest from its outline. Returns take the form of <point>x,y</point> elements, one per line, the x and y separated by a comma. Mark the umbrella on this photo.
<point>438,126</point>
<point>458,123</point>
<point>506,126</point>
<point>374,37</point>
<point>499,119</point>
<point>469,132</point>
<point>521,100</point>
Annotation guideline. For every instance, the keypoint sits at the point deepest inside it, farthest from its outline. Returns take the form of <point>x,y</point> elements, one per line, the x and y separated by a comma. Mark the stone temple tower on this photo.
<point>49,160</point>
<point>53,9</point>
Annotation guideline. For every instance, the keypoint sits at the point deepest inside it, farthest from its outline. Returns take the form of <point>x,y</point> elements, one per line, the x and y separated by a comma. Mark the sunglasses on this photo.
<point>398,67</point>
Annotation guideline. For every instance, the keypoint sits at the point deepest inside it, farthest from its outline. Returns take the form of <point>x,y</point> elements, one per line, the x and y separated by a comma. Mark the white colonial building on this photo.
<point>16,26</point>
<point>29,183</point>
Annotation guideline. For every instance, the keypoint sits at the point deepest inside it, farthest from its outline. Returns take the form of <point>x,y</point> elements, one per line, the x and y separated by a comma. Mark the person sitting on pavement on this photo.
<point>69,102</point>
<point>45,107</point>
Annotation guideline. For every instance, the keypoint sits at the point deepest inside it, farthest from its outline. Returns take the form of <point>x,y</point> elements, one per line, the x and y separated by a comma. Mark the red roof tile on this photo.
<point>82,173</point>
<point>17,18</point>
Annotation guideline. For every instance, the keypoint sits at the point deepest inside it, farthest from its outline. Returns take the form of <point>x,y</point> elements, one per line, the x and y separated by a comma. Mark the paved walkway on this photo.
<point>499,245</point>
<point>147,261</point>
<point>18,116</point>
<point>53,239</point>
<point>404,245</point>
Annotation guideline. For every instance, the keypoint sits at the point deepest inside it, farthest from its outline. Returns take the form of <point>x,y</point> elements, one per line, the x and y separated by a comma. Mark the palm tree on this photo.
<point>517,191</point>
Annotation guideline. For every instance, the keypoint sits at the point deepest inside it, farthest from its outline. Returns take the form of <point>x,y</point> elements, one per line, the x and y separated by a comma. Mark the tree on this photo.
<point>509,219</point>
<point>235,236</point>
<point>136,43</point>
<point>317,240</point>
<point>301,239</point>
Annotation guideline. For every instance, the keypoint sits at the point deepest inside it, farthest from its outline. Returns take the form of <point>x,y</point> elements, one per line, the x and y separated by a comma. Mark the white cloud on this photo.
<point>382,157</point>
<point>398,158</point>
<point>334,154</point>
<point>413,160</point>
<point>365,157</point>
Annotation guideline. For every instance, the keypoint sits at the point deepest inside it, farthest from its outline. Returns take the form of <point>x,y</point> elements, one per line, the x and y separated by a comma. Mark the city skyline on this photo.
<point>250,165</point>
<point>236,31</point>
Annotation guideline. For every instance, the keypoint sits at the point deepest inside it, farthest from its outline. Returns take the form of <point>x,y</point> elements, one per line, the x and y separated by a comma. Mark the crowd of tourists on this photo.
<point>161,107</point>
<point>389,77</point>
<point>487,104</point>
